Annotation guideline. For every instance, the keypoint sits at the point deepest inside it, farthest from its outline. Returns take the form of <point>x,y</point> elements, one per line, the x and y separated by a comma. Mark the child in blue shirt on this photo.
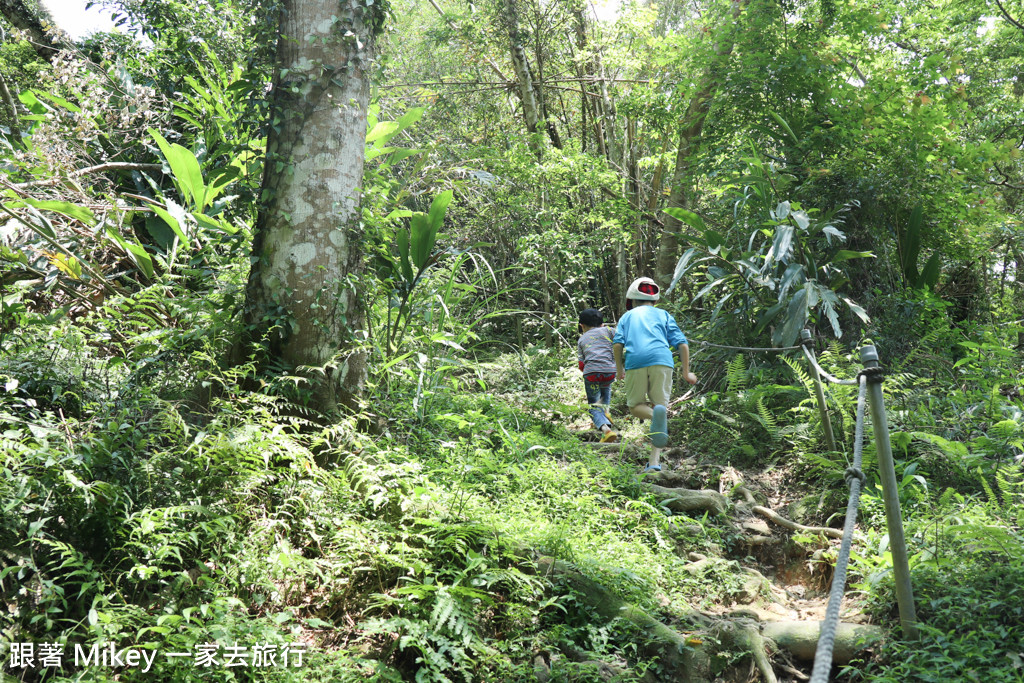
<point>642,346</point>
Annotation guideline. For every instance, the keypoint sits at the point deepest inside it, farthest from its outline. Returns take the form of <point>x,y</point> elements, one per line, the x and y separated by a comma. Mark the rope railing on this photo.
<point>870,382</point>
<point>855,479</point>
<point>748,349</point>
<point>831,378</point>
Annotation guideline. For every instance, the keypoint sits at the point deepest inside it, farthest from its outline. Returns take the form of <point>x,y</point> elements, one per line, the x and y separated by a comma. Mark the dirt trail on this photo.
<point>787,581</point>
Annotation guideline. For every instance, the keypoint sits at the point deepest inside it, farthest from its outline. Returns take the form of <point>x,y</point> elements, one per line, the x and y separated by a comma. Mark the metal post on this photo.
<point>890,493</point>
<point>826,421</point>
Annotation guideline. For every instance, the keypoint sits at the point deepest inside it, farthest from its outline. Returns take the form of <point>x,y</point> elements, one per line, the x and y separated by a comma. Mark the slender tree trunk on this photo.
<point>520,63</point>
<point>14,107</point>
<point>542,100</point>
<point>547,306</point>
<point>682,193</point>
<point>608,112</point>
<point>302,297</point>
<point>1018,291</point>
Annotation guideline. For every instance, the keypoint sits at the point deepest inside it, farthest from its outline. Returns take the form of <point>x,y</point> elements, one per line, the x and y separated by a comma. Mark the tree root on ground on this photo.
<point>800,638</point>
<point>773,516</point>
<point>688,500</point>
<point>688,656</point>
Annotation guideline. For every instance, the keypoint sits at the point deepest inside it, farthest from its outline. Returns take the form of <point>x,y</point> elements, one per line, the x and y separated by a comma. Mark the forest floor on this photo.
<point>783,580</point>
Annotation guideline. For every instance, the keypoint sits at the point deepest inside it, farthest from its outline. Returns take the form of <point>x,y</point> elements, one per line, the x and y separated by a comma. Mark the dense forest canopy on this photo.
<point>289,302</point>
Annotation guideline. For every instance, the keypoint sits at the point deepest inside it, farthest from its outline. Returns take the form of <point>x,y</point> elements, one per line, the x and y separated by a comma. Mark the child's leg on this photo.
<point>659,384</point>
<point>636,393</point>
<point>606,399</point>
<point>654,459</point>
<point>601,421</point>
<point>610,435</point>
<point>660,387</point>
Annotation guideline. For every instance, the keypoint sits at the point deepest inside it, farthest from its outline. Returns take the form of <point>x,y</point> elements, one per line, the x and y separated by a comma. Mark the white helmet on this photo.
<point>644,289</point>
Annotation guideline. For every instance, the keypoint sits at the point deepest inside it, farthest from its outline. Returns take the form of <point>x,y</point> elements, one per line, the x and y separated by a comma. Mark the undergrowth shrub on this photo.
<point>971,614</point>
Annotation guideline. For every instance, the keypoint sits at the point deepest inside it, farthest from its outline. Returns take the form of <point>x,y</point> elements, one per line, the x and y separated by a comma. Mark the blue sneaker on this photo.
<point>652,468</point>
<point>659,427</point>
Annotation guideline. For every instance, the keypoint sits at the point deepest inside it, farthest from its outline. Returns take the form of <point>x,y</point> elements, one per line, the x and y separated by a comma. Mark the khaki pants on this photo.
<point>652,384</point>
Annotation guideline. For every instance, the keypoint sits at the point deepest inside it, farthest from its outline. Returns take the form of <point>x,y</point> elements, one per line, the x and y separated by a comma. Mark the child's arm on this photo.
<point>684,359</point>
<point>620,371</point>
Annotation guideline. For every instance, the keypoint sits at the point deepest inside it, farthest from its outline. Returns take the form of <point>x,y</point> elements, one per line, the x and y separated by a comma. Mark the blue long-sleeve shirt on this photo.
<point>648,336</point>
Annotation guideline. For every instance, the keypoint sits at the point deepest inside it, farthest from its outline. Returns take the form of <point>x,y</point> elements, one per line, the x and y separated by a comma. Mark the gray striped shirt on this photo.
<point>594,350</point>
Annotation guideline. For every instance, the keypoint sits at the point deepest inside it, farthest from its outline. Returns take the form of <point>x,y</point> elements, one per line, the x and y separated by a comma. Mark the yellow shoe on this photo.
<point>609,437</point>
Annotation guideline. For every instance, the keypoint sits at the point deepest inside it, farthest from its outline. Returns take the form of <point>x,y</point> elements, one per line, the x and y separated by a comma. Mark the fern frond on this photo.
<point>736,374</point>
<point>767,420</point>
<point>1010,483</point>
<point>801,374</point>
<point>993,499</point>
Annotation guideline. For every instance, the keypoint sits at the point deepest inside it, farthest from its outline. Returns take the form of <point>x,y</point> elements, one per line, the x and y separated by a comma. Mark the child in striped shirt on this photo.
<point>594,352</point>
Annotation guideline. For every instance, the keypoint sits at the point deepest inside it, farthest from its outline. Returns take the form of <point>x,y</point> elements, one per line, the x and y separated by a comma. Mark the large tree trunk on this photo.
<point>307,256</point>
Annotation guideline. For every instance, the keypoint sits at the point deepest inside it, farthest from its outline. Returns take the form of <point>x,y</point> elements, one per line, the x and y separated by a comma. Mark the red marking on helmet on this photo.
<point>648,288</point>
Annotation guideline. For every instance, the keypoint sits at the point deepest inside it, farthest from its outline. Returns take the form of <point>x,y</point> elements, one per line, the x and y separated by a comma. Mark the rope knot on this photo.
<point>873,375</point>
<point>854,473</point>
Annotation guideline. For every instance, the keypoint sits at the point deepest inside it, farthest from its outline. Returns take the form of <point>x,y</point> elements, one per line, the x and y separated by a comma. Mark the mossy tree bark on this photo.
<point>302,298</point>
<point>45,37</point>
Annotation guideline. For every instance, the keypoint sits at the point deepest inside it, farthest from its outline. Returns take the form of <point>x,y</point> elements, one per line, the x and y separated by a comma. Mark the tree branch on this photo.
<point>490,62</point>
<point>1008,17</point>
<point>100,168</point>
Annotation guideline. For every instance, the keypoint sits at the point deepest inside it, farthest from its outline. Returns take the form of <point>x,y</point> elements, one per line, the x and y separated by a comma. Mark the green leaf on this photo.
<point>829,301</point>
<point>785,126</point>
<point>60,102</point>
<point>214,223</point>
<point>420,243</point>
<point>681,268</point>
<point>707,288</point>
<point>136,252</point>
<point>796,318</point>
<point>68,265</point>
<point>780,246</point>
<point>687,216</point>
<point>185,168</point>
<point>383,131</point>
<point>930,274</point>
<point>794,275</point>
<point>910,246</point>
<point>32,103</point>
<point>769,315</point>
<point>160,231</point>
<point>410,117</point>
<point>847,255</point>
<point>801,219</point>
<point>401,154</point>
<point>857,310</point>
<point>141,258</point>
<point>714,240</point>
<point>172,223</point>
<point>79,213</point>
<point>438,207</point>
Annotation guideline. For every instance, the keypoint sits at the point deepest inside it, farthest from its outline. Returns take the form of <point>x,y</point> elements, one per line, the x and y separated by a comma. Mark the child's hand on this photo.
<point>691,378</point>
<point>620,375</point>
